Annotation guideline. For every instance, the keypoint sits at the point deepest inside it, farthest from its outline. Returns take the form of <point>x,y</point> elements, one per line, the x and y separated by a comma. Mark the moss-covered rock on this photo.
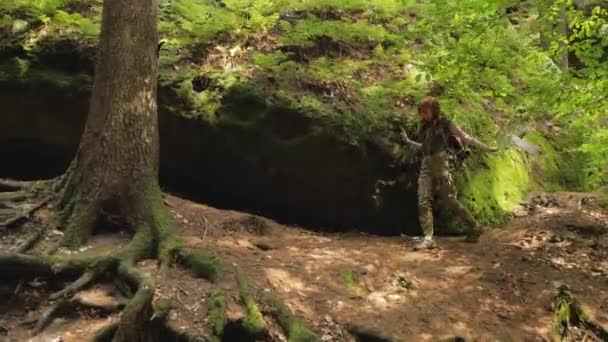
<point>495,184</point>
<point>548,167</point>
<point>266,156</point>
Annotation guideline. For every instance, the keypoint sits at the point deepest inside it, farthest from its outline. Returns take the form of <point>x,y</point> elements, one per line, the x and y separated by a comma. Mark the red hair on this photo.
<point>431,104</point>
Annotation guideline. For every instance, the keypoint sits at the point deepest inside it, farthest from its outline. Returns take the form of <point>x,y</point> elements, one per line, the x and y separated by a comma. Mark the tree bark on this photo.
<point>115,170</point>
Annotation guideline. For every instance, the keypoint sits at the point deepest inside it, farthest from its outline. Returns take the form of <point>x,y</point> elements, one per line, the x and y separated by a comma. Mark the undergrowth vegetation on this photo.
<point>359,67</point>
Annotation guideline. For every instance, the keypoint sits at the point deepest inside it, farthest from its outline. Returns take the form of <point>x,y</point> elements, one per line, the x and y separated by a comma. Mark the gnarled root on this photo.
<point>253,322</point>
<point>296,330</point>
<point>12,184</point>
<point>366,334</point>
<point>49,314</point>
<point>13,202</point>
<point>135,320</point>
<point>95,269</point>
<point>27,244</point>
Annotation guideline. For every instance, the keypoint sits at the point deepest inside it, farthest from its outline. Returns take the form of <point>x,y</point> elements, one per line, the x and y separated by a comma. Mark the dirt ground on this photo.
<point>500,289</point>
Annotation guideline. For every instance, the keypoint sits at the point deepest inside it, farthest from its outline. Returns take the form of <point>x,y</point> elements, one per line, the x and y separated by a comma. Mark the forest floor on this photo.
<point>501,288</point>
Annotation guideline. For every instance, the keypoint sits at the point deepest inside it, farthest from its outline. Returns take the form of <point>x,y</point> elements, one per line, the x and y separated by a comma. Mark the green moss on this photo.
<point>80,222</point>
<point>548,164</point>
<point>602,196</point>
<point>141,245</point>
<point>253,322</point>
<point>17,71</point>
<point>162,308</point>
<point>494,184</point>
<point>350,278</point>
<point>203,265</point>
<point>217,313</point>
<point>567,313</point>
<point>295,329</point>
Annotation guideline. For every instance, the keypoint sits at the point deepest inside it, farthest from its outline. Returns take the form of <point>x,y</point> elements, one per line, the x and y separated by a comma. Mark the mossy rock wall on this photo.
<point>263,157</point>
<point>253,157</point>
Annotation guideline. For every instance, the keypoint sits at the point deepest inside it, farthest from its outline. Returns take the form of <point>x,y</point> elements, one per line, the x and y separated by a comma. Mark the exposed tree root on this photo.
<point>95,270</point>
<point>14,184</point>
<point>14,196</point>
<point>296,330</point>
<point>217,314</point>
<point>149,221</point>
<point>10,206</point>
<point>15,209</point>
<point>49,314</point>
<point>25,214</point>
<point>27,244</point>
<point>253,322</point>
<point>365,334</point>
<point>13,265</point>
<point>135,320</point>
<point>568,313</point>
<point>202,265</point>
<point>106,334</point>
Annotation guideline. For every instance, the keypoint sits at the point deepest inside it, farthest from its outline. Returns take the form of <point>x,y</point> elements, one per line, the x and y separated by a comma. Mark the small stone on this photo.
<point>19,26</point>
<point>394,297</point>
<point>186,221</point>
<point>369,268</point>
<point>326,338</point>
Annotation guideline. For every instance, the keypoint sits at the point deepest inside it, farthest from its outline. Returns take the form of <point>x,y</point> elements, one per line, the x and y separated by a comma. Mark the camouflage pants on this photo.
<point>435,180</point>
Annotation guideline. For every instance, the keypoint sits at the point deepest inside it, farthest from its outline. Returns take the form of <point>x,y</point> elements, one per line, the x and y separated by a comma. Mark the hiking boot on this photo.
<point>474,234</point>
<point>426,243</point>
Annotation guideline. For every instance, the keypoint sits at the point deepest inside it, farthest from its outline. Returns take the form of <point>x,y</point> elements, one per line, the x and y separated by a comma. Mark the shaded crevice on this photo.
<point>219,165</point>
<point>235,331</point>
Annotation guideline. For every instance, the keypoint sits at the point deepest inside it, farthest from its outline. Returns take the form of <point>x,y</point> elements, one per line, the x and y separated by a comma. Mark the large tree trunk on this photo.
<point>116,168</point>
